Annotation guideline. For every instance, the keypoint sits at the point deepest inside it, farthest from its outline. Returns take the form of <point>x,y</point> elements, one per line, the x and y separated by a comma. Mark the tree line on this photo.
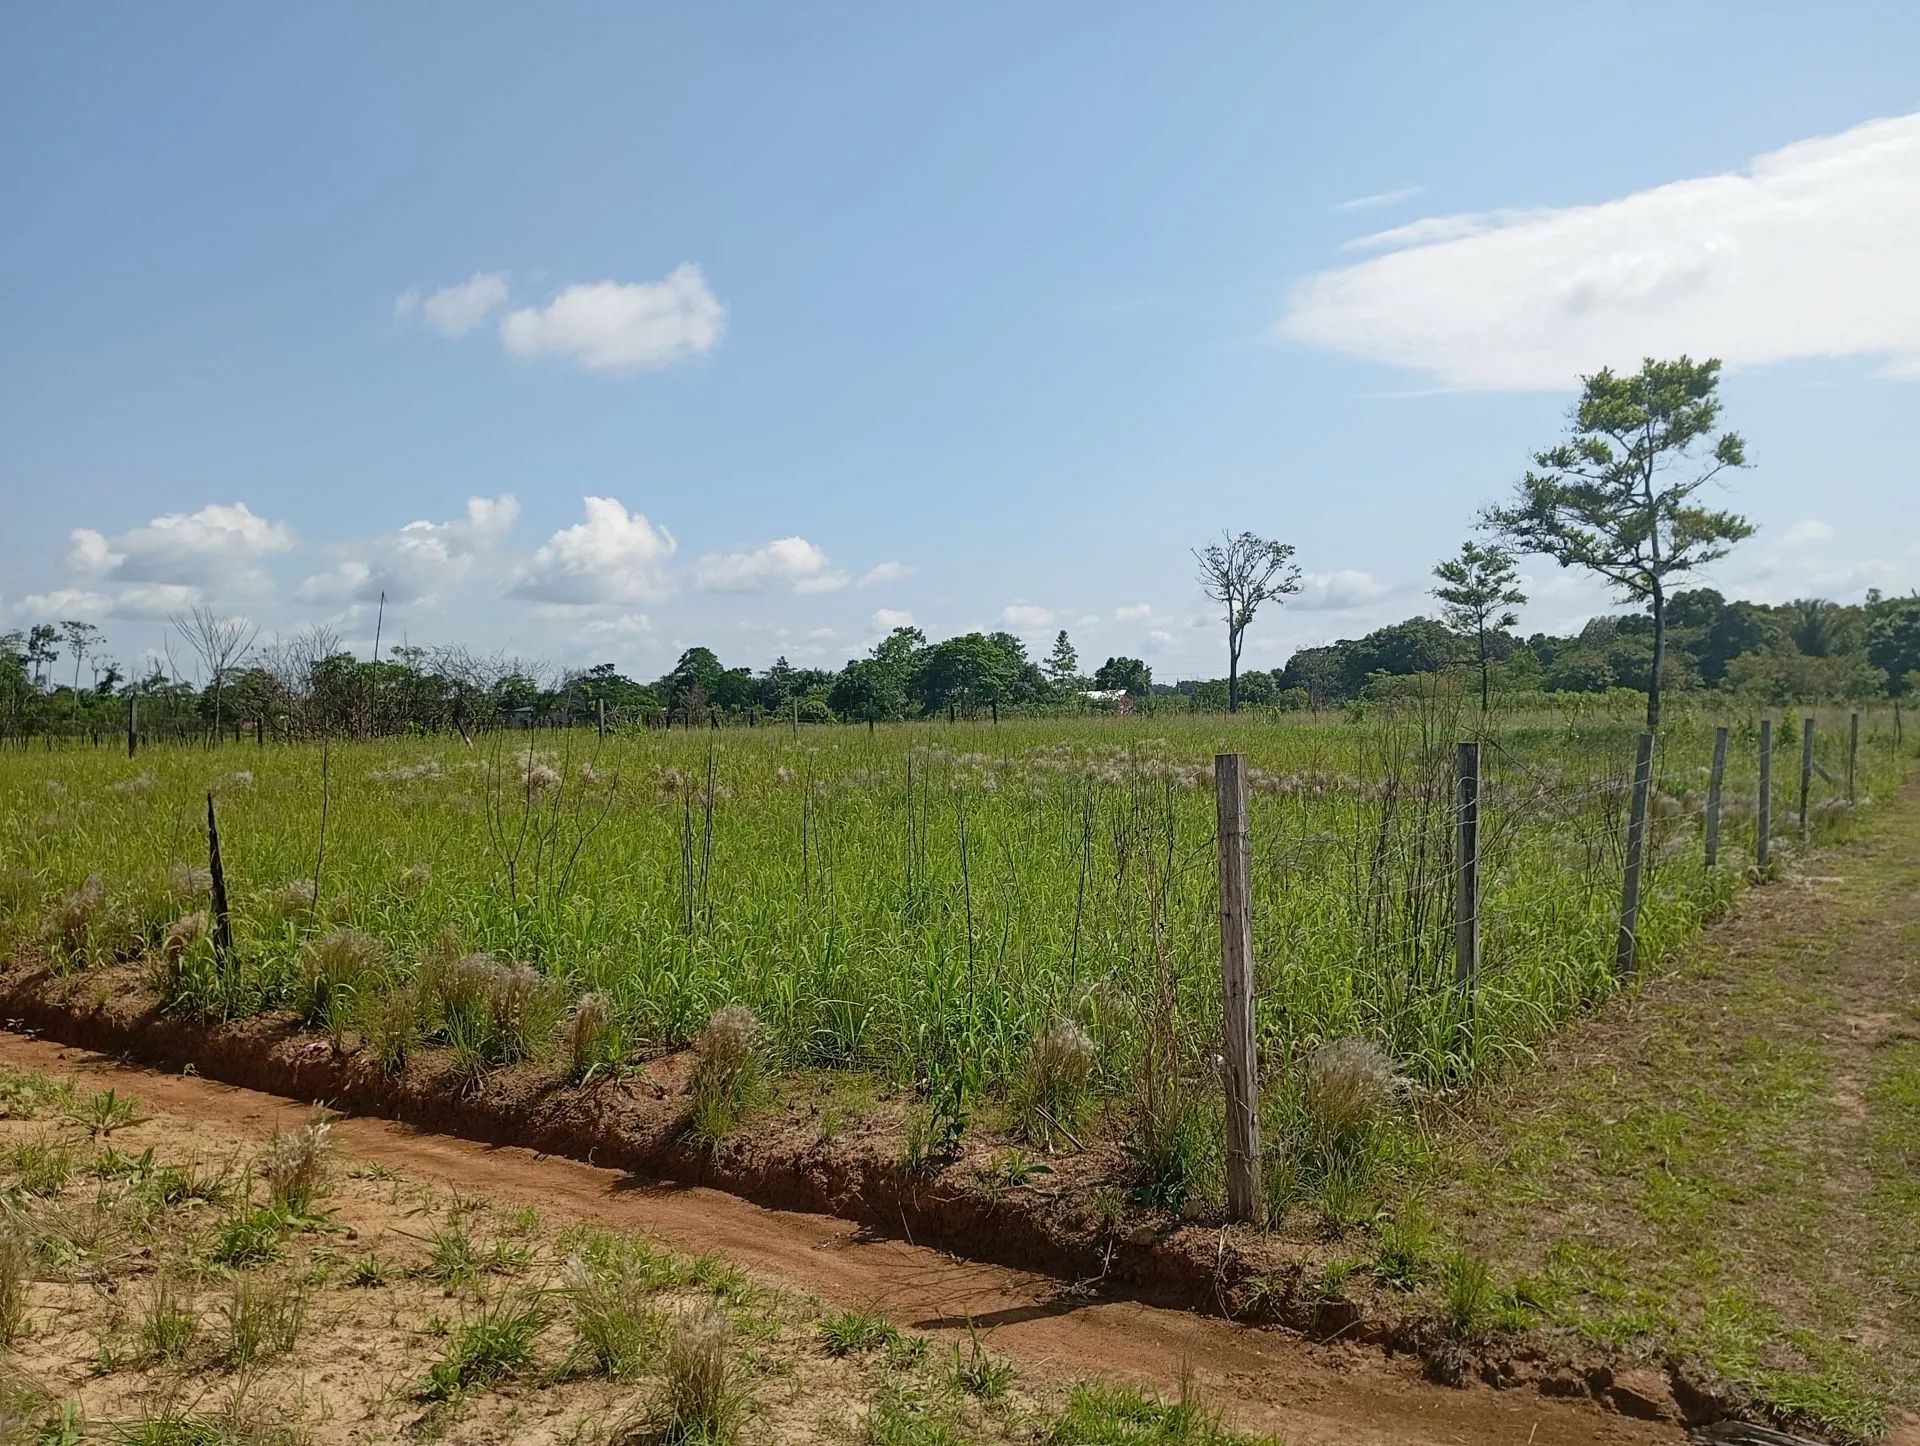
<point>1619,498</point>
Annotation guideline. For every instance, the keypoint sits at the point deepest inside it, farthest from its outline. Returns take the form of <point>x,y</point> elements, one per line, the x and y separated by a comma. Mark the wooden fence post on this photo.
<point>1625,945</point>
<point>1236,982</point>
<point>1853,751</point>
<point>1714,778</point>
<point>1763,826</point>
<point>1806,770</point>
<point>222,920</point>
<point>1466,887</point>
<point>600,717</point>
<point>133,725</point>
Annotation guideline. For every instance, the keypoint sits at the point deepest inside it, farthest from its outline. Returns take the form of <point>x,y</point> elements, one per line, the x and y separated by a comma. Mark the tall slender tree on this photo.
<point>1240,574</point>
<point>1618,497</point>
<point>1062,666</point>
<point>1478,592</point>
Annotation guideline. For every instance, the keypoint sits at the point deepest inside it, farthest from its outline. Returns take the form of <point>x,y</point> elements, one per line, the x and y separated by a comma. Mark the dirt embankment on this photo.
<point>1312,1394</point>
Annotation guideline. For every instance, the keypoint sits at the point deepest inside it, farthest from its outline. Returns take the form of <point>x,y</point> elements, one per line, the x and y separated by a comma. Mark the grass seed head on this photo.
<point>296,1163</point>
<point>1350,1086</point>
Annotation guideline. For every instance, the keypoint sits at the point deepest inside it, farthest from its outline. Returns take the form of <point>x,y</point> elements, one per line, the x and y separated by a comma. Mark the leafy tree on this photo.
<point>1478,591</point>
<point>1418,645</point>
<point>963,673</point>
<point>1893,642</point>
<point>1608,500</point>
<point>81,639</point>
<point>1241,574</point>
<point>1124,675</point>
<point>868,691</point>
<point>1062,666</point>
<point>41,651</point>
<point>1316,672</point>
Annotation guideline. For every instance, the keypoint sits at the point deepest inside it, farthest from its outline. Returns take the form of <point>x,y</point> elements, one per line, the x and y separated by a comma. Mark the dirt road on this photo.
<point>1263,1379</point>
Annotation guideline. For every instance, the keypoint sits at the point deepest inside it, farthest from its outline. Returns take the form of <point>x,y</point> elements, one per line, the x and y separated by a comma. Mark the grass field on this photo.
<point>921,901</point>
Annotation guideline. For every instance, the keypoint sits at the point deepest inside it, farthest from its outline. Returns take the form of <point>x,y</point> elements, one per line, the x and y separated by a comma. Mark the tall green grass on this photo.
<point>919,900</point>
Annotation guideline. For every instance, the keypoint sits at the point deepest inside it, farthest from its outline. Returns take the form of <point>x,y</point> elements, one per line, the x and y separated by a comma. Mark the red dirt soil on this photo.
<point>1263,1379</point>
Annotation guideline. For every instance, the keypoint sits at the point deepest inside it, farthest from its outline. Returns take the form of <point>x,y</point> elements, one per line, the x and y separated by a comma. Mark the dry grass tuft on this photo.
<point>334,970</point>
<point>78,916</point>
<point>296,1163</point>
<point>729,1070</point>
<point>593,1035</point>
<point>1350,1087</point>
<point>183,934</point>
<point>702,1395</point>
<point>1050,1093</point>
<point>292,899</point>
<point>187,883</point>
<point>16,1270</point>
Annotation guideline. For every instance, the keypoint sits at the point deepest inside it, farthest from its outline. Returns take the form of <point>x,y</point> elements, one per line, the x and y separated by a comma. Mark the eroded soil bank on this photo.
<point>1311,1394</point>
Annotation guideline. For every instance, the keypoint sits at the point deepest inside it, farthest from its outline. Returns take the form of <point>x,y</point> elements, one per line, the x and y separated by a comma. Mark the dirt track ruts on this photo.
<point>1263,1379</point>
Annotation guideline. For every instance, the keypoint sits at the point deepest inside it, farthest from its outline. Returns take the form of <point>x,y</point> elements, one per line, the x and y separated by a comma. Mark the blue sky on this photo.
<point>979,315</point>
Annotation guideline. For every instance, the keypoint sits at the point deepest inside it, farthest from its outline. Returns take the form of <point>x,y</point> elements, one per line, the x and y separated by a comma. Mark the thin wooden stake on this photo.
<point>222,919</point>
<point>133,725</point>
<point>1763,842</point>
<point>1626,945</point>
<point>1236,984</point>
<point>1853,751</point>
<point>1466,895</point>
<point>1806,770</point>
<point>600,717</point>
<point>1713,795</point>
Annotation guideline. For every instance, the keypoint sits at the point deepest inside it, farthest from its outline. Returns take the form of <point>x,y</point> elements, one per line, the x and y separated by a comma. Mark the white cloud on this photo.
<point>1807,529</point>
<point>626,628</point>
<point>455,310</point>
<point>613,556</point>
<point>1807,253</point>
<point>613,326</point>
<point>785,562</point>
<point>1134,613</point>
<point>64,602</point>
<point>882,572</point>
<point>1381,198</point>
<point>215,544</point>
<point>1161,636</point>
<point>414,561</point>
<point>154,600</point>
<point>1026,615</point>
<point>1334,591</point>
<point>887,619</point>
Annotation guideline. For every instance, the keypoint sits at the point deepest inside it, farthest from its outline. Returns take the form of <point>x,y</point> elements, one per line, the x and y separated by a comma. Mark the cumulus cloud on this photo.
<point>419,558</point>
<point>1807,529</point>
<point>615,326</point>
<point>1334,591</point>
<point>455,310</point>
<point>884,572</point>
<point>1134,613</point>
<point>887,619</point>
<point>785,562</point>
<point>1381,198</point>
<point>613,556</point>
<point>216,544</point>
<point>1806,253</point>
<point>1026,615</point>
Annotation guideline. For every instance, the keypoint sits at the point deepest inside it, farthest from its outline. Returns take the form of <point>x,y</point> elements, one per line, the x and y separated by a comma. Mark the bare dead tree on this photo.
<point>1241,573</point>
<point>222,644</point>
